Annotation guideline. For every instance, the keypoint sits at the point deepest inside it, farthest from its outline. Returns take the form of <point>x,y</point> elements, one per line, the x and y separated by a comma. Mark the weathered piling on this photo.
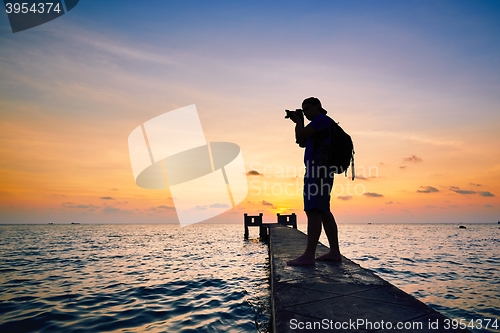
<point>255,221</point>
<point>288,220</point>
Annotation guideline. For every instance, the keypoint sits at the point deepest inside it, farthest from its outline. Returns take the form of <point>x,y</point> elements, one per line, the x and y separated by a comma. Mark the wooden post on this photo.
<point>288,220</point>
<point>263,232</point>
<point>253,221</point>
<point>246,226</point>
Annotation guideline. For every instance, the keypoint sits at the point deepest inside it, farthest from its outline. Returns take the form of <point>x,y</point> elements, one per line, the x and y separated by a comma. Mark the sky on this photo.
<point>416,85</point>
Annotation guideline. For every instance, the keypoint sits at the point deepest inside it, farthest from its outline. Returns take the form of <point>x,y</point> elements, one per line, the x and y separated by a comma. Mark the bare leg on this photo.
<point>331,231</point>
<point>313,233</point>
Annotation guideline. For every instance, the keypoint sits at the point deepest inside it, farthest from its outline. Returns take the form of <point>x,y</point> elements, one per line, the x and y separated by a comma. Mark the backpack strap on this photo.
<point>352,165</point>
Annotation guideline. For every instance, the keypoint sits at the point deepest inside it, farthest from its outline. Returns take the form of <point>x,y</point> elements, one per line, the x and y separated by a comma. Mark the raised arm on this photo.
<point>301,132</point>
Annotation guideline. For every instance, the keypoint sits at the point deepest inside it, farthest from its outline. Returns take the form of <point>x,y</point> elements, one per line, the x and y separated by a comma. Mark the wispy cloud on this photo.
<point>345,197</point>
<point>107,198</point>
<point>265,203</point>
<point>464,191</point>
<point>427,189</point>
<point>412,137</point>
<point>456,189</point>
<point>114,210</point>
<point>253,173</point>
<point>373,195</point>
<point>78,206</point>
<point>165,207</point>
<point>110,210</point>
<point>486,194</point>
<point>219,205</point>
<point>412,159</point>
<point>124,51</point>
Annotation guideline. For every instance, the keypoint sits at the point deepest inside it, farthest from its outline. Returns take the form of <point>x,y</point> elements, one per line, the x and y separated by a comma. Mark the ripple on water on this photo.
<point>140,278</point>
<point>454,272</point>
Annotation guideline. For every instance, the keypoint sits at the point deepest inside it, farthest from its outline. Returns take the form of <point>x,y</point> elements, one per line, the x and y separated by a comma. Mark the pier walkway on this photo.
<point>339,297</point>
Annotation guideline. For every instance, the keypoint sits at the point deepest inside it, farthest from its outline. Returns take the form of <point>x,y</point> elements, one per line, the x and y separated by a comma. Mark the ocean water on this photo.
<point>454,271</point>
<point>132,278</point>
<point>207,278</point>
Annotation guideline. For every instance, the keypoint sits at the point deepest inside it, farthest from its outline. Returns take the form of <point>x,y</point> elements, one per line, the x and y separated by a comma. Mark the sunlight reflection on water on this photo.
<point>155,278</point>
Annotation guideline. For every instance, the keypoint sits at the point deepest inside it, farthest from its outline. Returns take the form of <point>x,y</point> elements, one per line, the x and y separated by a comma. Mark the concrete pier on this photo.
<point>339,297</point>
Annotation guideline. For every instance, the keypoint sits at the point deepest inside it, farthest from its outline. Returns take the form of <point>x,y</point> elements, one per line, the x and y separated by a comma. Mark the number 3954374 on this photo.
<point>34,8</point>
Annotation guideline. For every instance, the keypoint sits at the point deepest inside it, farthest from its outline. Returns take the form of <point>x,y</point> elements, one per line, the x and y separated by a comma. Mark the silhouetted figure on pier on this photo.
<point>318,180</point>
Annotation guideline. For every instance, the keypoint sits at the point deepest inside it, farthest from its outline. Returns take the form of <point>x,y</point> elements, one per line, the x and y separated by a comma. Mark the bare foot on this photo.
<point>301,261</point>
<point>330,257</point>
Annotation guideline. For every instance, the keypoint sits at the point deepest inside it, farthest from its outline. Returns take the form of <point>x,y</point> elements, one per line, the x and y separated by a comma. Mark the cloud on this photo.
<point>165,207</point>
<point>403,167</point>
<point>465,192</point>
<point>488,206</point>
<point>78,206</point>
<point>412,159</point>
<point>253,173</point>
<point>361,176</point>
<point>412,137</point>
<point>114,210</point>
<point>265,203</point>
<point>373,195</point>
<point>389,203</point>
<point>110,210</point>
<point>107,198</point>
<point>219,205</point>
<point>344,197</point>
<point>474,184</point>
<point>427,189</point>
<point>456,189</point>
<point>123,51</point>
<point>486,194</point>
<point>200,207</point>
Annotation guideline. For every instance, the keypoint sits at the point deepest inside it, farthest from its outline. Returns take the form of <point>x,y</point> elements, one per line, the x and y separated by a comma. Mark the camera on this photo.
<point>299,113</point>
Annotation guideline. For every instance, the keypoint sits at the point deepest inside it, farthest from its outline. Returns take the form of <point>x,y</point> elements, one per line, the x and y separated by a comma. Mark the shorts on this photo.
<point>318,184</point>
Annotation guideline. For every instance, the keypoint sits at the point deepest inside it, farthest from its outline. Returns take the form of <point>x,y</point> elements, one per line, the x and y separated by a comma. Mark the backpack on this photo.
<point>340,154</point>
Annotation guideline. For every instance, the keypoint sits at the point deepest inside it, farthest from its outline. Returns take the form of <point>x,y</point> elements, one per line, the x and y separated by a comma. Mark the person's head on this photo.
<point>312,107</point>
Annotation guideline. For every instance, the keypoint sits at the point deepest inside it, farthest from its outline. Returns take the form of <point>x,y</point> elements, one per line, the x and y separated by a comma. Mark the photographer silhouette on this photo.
<point>318,181</point>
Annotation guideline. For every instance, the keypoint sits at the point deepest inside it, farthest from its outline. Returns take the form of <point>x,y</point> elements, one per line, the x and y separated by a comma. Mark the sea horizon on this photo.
<point>148,262</point>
